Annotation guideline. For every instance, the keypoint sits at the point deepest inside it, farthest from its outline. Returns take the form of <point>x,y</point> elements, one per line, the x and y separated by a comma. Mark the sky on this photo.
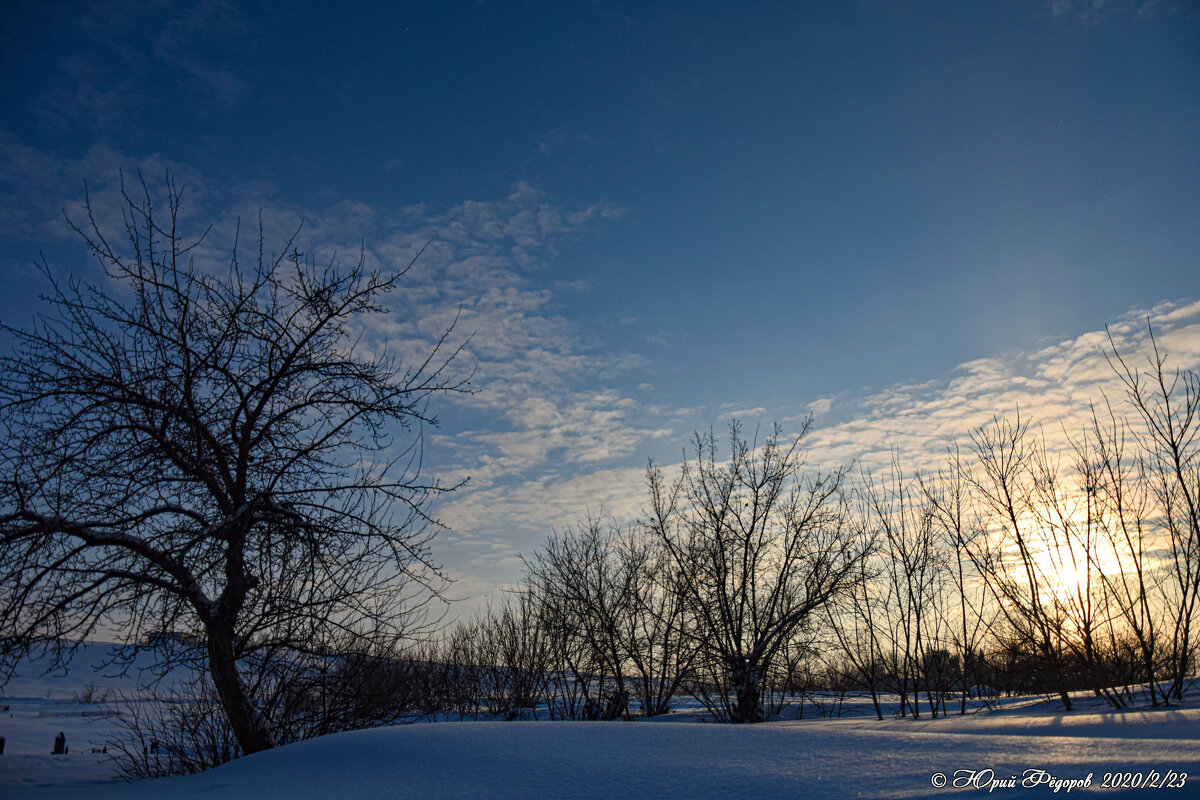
<point>655,218</point>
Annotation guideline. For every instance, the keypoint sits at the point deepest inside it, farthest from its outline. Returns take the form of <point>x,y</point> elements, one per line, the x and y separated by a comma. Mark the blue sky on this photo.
<point>658,216</point>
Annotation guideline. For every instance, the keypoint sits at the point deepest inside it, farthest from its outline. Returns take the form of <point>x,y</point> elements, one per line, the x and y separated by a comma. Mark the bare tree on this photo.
<point>956,518</point>
<point>203,447</point>
<point>611,600</point>
<point>1069,521</point>
<point>1167,402</point>
<point>760,549</point>
<point>1012,558</point>
<point>513,654</point>
<point>662,647</point>
<point>588,595</point>
<point>855,623</point>
<point>912,574</point>
<point>1125,497</point>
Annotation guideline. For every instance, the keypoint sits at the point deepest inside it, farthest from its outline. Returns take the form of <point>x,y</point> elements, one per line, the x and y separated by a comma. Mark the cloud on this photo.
<point>820,406</point>
<point>551,142</point>
<point>1095,12</point>
<point>1086,11</point>
<point>546,403</point>
<point>557,427</point>
<point>188,41</point>
<point>93,97</point>
<point>553,435</point>
<point>744,414</point>
<point>491,528</point>
<point>544,388</point>
<point>104,84</point>
<point>667,338</point>
<point>1052,386</point>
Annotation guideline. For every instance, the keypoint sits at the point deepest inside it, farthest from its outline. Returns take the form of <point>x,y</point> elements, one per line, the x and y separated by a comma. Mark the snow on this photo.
<point>822,758</point>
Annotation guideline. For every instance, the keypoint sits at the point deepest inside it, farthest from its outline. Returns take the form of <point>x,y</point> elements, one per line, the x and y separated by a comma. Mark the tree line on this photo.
<point>751,583</point>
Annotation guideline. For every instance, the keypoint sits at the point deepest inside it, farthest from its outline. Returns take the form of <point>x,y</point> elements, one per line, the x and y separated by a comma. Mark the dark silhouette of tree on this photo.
<point>612,600</point>
<point>760,550</point>
<point>1166,402</point>
<point>215,448</point>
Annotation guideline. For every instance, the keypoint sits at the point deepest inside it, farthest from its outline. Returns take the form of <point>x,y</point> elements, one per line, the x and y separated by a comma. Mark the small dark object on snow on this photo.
<point>60,745</point>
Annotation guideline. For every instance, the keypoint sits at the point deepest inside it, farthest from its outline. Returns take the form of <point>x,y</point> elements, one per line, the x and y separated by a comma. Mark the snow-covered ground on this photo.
<point>856,757</point>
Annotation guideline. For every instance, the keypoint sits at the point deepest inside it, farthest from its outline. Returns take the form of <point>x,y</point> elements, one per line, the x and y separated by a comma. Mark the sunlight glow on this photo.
<point>1070,555</point>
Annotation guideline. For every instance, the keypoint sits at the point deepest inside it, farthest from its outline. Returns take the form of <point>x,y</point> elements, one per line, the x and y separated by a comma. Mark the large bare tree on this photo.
<point>761,549</point>
<point>213,447</point>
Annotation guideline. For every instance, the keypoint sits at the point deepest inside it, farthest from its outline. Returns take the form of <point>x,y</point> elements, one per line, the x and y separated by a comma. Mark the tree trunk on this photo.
<point>248,726</point>
<point>875,702</point>
<point>616,705</point>
<point>748,707</point>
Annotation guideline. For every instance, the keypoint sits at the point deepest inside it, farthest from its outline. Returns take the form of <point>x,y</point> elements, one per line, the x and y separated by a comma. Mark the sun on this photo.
<point>1070,558</point>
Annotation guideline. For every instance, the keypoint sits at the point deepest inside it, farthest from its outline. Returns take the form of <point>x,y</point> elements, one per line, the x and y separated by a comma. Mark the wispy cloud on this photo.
<point>490,528</point>
<point>750,414</point>
<point>189,40</point>
<point>1053,387</point>
<point>821,406</point>
<point>102,88</point>
<point>1095,12</point>
<point>540,380</point>
<point>667,339</point>
<point>1087,11</point>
